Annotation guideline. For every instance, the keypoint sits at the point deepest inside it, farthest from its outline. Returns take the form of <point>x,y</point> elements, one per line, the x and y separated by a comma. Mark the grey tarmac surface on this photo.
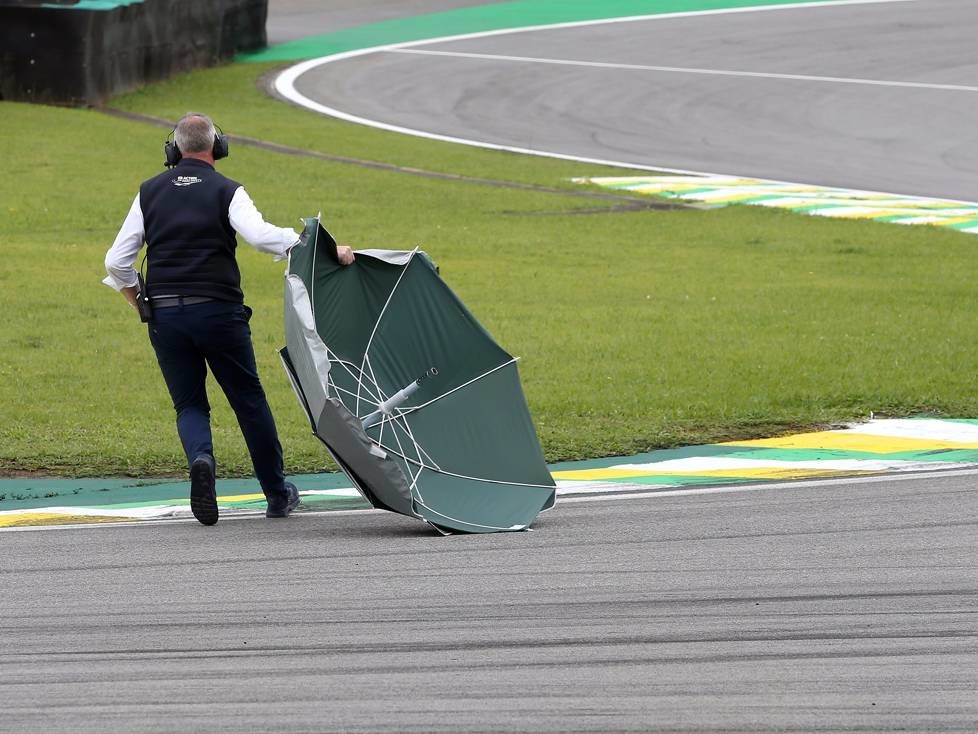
<point>841,607</point>
<point>847,606</point>
<point>888,138</point>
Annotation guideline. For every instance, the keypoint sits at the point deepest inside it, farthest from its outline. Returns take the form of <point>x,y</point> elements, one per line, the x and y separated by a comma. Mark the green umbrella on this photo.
<point>412,397</point>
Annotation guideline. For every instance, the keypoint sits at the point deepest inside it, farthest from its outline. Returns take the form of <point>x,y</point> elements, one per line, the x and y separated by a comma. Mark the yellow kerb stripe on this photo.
<point>23,519</point>
<point>241,498</point>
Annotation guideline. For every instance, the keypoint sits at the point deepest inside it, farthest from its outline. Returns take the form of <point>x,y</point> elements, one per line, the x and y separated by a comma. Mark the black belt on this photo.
<point>170,301</point>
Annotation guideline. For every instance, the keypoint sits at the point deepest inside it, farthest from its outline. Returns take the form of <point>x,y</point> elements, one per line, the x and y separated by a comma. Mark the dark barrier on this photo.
<point>85,51</point>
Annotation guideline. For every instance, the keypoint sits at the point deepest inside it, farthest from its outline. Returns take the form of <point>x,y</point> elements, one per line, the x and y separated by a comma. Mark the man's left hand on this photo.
<point>344,254</point>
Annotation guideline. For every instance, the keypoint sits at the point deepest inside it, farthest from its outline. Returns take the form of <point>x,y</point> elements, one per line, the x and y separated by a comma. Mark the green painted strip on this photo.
<point>497,16</point>
<point>895,218</point>
<point>964,225</point>
<point>94,5</point>
<point>648,458</point>
<point>40,492</point>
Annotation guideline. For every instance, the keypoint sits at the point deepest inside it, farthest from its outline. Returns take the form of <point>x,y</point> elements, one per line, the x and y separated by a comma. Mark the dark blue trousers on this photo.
<point>189,339</point>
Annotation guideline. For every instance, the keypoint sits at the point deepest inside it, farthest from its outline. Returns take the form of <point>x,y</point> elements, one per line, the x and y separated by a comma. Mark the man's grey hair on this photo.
<point>194,133</point>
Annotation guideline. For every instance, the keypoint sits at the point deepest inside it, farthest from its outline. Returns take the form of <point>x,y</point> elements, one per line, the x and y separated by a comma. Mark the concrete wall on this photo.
<point>84,52</point>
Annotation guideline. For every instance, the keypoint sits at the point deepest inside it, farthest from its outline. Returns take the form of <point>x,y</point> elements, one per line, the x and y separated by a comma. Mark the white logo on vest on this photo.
<point>186,180</point>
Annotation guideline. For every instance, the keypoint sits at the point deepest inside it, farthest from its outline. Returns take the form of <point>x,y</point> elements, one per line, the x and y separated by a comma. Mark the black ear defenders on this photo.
<point>171,152</point>
<point>220,149</point>
<point>173,155</point>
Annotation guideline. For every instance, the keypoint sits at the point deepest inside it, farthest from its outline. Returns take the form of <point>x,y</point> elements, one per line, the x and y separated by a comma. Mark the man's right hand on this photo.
<point>130,294</point>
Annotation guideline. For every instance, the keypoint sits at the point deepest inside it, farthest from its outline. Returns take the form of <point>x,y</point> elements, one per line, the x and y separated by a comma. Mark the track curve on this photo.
<point>870,96</point>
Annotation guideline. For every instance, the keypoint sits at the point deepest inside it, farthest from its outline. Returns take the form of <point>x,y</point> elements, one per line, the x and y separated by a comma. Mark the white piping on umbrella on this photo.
<point>467,522</point>
<point>412,409</point>
<point>312,286</point>
<point>409,460</point>
<point>422,454</point>
<point>402,416</point>
<point>350,367</point>
<point>381,398</point>
<point>380,316</point>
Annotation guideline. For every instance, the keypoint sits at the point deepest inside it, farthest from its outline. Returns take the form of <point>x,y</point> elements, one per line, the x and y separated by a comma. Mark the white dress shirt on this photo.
<point>245,219</point>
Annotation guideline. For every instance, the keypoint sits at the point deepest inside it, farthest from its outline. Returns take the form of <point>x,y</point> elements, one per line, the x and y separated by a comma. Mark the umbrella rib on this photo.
<point>421,452</point>
<point>380,316</point>
<point>463,476</point>
<point>344,390</point>
<point>403,455</point>
<point>468,522</point>
<point>489,481</point>
<point>349,367</point>
<point>380,434</point>
<point>456,389</point>
<point>312,290</point>
<point>380,393</point>
<point>402,416</point>
<point>417,447</point>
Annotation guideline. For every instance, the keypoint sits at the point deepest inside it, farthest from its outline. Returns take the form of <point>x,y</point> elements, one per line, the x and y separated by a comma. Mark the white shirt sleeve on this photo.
<point>249,223</point>
<point>121,256</point>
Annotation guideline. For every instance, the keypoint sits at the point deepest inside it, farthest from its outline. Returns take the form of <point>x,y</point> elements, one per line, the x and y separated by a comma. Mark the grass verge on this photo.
<point>637,330</point>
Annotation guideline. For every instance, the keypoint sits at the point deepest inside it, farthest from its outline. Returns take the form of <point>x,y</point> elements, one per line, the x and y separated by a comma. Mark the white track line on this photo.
<point>687,70</point>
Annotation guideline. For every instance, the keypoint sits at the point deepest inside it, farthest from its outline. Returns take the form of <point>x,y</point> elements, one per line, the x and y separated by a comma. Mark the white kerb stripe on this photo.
<point>922,428</point>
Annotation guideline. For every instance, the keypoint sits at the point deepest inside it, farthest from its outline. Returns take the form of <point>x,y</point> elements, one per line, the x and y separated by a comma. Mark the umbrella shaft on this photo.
<point>392,402</point>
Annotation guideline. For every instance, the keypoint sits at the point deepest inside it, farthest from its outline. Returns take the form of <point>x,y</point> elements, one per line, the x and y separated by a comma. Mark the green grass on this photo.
<point>636,330</point>
<point>233,95</point>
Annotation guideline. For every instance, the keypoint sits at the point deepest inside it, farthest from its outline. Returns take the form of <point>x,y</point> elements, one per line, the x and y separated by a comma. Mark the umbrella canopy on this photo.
<point>412,397</point>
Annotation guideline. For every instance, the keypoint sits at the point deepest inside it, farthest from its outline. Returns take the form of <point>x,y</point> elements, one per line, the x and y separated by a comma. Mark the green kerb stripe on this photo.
<point>94,5</point>
<point>964,225</point>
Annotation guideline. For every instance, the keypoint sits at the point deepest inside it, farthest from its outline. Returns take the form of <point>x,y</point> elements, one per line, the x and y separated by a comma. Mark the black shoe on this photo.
<point>282,507</point>
<point>203,496</point>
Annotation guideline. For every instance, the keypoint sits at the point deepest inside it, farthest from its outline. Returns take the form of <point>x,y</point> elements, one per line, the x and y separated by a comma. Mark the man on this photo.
<point>188,217</point>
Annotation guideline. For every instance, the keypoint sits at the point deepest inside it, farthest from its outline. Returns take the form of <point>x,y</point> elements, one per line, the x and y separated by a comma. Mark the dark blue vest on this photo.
<point>189,240</point>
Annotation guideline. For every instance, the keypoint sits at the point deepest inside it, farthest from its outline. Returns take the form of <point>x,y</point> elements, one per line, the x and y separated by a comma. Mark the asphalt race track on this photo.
<point>881,97</point>
<point>825,606</point>
<point>840,605</point>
